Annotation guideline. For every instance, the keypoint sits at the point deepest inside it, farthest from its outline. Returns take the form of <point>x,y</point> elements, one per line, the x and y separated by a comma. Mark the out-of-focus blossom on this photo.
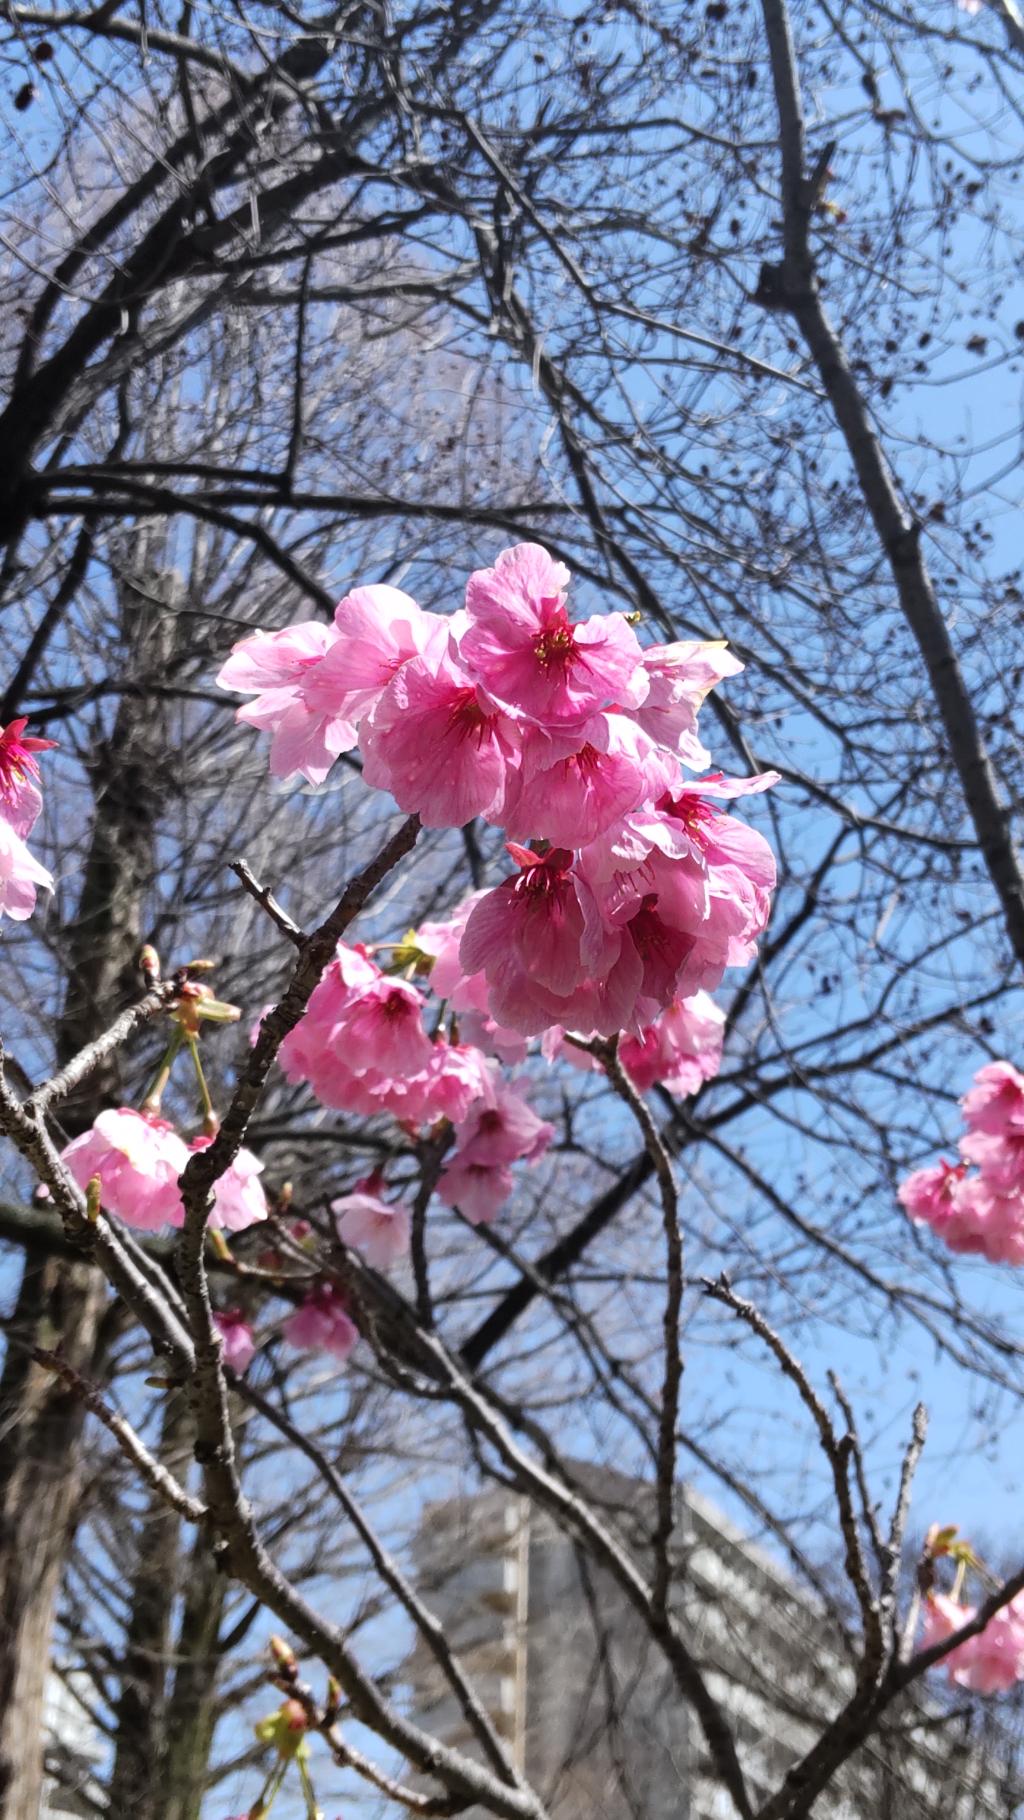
<point>238,1344</point>
<point>478,1190</point>
<point>377,1230</point>
<point>322,1324</point>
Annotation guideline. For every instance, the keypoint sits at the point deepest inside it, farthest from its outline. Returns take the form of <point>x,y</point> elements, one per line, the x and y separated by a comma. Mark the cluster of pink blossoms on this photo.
<point>138,1158</point>
<point>979,1210</point>
<point>20,803</point>
<point>638,889</point>
<point>988,1663</point>
<point>363,1047</point>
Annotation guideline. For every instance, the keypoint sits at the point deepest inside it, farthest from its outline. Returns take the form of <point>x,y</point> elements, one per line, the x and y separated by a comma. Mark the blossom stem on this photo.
<point>151,1103</point>
<point>209,1115</point>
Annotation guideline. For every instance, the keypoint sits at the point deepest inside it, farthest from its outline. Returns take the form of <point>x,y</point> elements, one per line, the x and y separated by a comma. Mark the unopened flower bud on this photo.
<point>284,1656</point>
<point>92,1198</point>
<point>149,962</point>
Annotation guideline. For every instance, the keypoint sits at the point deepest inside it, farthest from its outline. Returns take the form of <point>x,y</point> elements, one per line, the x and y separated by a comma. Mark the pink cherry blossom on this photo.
<point>988,1663</point>
<point>999,1156</point>
<point>932,1198</point>
<point>437,743</point>
<point>20,801</point>
<point>455,1077</point>
<point>377,629</point>
<point>138,1159</point>
<point>571,788</point>
<point>278,668</point>
<point>20,875</point>
<point>522,647</point>
<point>378,1231</point>
<point>942,1616</point>
<point>995,1103</point>
<point>679,677</point>
<point>490,1038</point>
<point>237,1339</point>
<point>440,940</point>
<point>994,1660</point>
<point>681,1050</point>
<point>345,978</point>
<point>466,993</point>
<point>500,1127</point>
<point>687,886</point>
<point>322,1323</point>
<point>527,935</point>
<point>965,1212</point>
<point>238,1199</point>
<point>381,1028</point>
<point>478,1190</point>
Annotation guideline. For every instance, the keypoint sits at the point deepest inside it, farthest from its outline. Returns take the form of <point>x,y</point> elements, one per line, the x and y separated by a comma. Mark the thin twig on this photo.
<point>128,1441</point>
<point>268,902</point>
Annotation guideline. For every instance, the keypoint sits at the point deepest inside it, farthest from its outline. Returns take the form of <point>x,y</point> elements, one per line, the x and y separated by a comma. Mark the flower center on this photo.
<point>556,644</point>
<point>586,760</point>
<point>697,815</point>
<point>395,1007</point>
<point>466,717</point>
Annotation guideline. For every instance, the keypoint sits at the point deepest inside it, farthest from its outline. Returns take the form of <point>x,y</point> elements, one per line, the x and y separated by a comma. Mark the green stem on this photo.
<point>209,1116</point>
<point>312,1811</point>
<point>151,1103</point>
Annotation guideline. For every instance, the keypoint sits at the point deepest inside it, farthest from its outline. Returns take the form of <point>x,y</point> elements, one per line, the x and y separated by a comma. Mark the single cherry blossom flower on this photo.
<point>379,1232</point>
<point>681,1050</point>
<point>237,1342</point>
<point>679,677</point>
<point>527,935</point>
<point>322,1323</point>
<point>478,1190</point>
<point>238,1198</point>
<point>138,1158</point>
<point>941,1618</point>
<point>436,742</point>
<point>988,1663</point>
<point>348,974</point>
<point>994,1660</point>
<point>522,647</point>
<point>500,1127</point>
<point>277,668</point>
<point>571,788</point>
<point>21,875</point>
<point>20,801</point>
<point>995,1102</point>
<point>381,1028</point>
<point>377,629</point>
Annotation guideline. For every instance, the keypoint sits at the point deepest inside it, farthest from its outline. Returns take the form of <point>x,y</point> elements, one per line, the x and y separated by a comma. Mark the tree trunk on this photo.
<point>59,1303</point>
<point>192,1708</point>
<point>137,1779</point>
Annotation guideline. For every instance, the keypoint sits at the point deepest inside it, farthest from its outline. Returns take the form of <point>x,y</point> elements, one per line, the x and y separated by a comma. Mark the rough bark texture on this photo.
<point>60,1305</point>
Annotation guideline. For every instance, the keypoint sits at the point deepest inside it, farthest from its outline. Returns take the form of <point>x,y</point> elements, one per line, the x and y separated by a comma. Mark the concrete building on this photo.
<point>587,1703</point>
